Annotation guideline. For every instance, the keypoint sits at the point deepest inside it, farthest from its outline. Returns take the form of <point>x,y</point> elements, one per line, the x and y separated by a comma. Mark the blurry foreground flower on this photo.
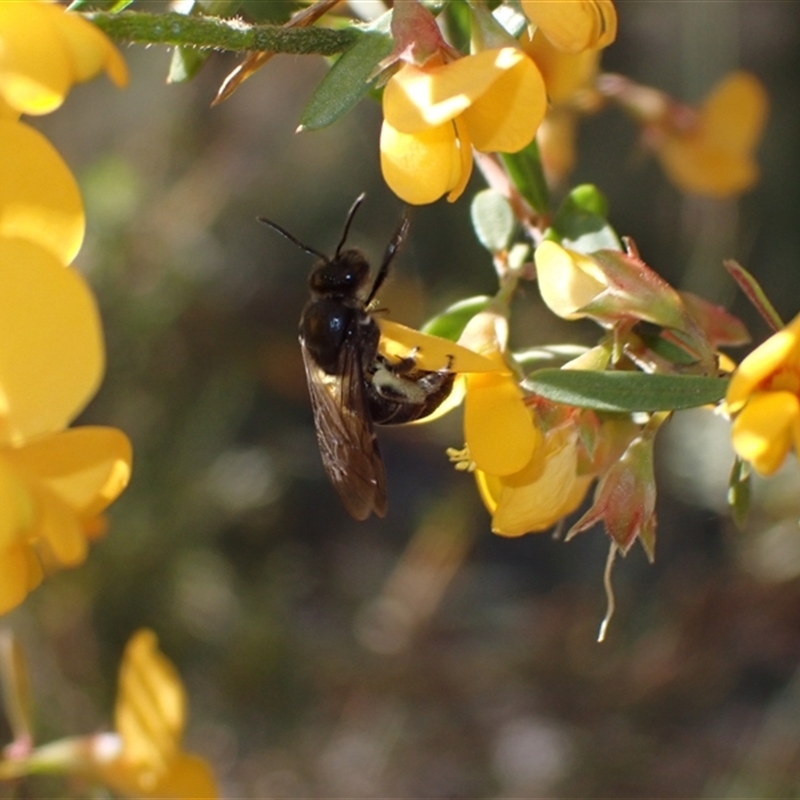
<point>434,114</point>
<point>53,483</point>
<point>143,758</point>
<point>764,394</point>
<point>44,50</point>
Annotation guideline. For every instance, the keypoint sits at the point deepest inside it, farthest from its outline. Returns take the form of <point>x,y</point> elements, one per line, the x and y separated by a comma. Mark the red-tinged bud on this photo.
<point>625,498</point>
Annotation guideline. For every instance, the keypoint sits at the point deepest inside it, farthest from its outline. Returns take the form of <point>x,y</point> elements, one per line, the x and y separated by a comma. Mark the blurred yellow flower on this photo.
<point>711,152</point>
<point>764,394</point>
<point>53,482</point>
<point>434,115</point>
<point>44,50</point>
<point>149,718</point>
<point>574,25</point>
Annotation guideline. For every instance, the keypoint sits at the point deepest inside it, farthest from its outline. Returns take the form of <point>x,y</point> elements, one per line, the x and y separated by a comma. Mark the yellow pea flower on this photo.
<point>711,153</point>
<point>764,394</point>
<point>536,497</point>
<point>434,114</point>
<point>574,25</point>
<point>44,50</point>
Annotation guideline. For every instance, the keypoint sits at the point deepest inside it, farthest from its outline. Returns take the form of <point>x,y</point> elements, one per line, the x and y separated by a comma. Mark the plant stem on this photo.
<point>220,34</point>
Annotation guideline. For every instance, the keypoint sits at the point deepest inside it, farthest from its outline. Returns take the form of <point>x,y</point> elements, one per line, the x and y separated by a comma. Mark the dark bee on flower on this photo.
<point>352,386</point>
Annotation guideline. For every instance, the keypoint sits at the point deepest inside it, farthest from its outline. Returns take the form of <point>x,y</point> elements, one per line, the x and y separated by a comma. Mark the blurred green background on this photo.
<point>416,656</point>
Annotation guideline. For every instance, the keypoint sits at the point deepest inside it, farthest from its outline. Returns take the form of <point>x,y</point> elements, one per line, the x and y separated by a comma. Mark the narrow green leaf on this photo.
<point>580,223</point>
<point>525,170</point>
<point>754,293</point>
<point>492,219</point>
<point>451,322</point>
<point>625,392</point>
<point>347,82</point>
<point>739,492</point>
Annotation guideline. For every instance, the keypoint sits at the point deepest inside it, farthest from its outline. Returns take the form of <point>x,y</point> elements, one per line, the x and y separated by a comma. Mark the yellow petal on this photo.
<point>734,113</point>
<point>51,348</point>
<point>564,74</point>
<point>420,168</point>
<point>464,169</point>
<point>39,198</point>
<point>20,573</point>
<point>568,281</point>
<point>695,168</point>
<point>498,427</point>
<point>781,349</point>
<point>418,98</point>
<point>35,72</point>
<point>505,117</point>
<point>17,505</point>
<point>574,25</point>
<point>556,139</point>
<point>58,532</point>
<point>44,50</point>
<point>546,490</point>
<point>189,777</point>
<point>89,48</point>
<point>151,705</point>
<point>764,431</point>
<point>86,467</point>
<point>430,352</point>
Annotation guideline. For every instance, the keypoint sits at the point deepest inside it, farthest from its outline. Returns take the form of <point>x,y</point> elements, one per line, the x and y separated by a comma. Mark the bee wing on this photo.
<point>347,441</point>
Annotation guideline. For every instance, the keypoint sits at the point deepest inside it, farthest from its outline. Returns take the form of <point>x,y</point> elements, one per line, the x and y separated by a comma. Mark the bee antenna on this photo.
<point>293,239</point>
<point>350,214</point>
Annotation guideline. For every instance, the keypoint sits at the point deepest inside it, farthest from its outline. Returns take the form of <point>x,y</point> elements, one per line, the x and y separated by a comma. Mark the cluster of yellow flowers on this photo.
<point>439,105</point>
<point>54,482</point>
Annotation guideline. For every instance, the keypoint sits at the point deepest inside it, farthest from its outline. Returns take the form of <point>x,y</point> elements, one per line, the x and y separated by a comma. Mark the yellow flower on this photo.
<point>712,152</point>
<point>764,393</point>
<point>434,115</point>
<point>53,482</point>
<point>546,489</point>
<point>149,718</point>
<point>44,50</point>
<point>574,25</point>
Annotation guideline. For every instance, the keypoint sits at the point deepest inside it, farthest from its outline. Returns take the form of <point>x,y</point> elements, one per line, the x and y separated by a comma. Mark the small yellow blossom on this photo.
<point>764,393</point>
<point>150,716</point>
<point>44,50</point>
<point>711,153</point>
<point>574,25</point>
<point>434,115</point>
<point>568,281</point>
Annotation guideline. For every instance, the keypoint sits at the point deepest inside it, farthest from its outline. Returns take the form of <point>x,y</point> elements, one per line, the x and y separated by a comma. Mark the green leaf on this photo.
<point>739,491</point>
<point>348,80</point>
<point>625,392</point>
<point>492,219</point>
<point>451,322</point>
<point>525,170</point>
<point>186,62</point>
<point>580,223</point>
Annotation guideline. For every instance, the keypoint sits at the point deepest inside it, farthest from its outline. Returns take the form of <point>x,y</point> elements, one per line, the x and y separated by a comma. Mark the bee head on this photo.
<point>344,274</point>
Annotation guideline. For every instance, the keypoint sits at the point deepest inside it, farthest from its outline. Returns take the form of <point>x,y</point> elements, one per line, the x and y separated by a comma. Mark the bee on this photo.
<point>352,386</point>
